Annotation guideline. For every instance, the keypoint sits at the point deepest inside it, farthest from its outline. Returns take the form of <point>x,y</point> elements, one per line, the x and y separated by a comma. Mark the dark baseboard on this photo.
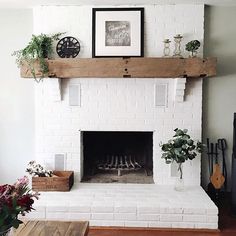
<point>112,228</point>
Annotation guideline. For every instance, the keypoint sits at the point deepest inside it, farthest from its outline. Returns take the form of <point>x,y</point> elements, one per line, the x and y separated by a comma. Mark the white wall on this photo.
<point>16,97</point>
<point>220,92</point>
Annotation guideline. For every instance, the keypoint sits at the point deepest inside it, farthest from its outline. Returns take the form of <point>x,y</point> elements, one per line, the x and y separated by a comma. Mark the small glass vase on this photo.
<point>6,232</point>
<point>179,184</point>
<point>166,50</point>
<point>193,54</point>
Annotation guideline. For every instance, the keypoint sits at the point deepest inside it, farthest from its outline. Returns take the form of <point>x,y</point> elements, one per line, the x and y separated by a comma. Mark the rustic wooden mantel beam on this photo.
<point>134,67</point>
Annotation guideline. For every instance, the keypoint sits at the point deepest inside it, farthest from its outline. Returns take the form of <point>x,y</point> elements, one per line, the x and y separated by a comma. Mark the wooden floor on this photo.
<point>227,226</point>
<point>47,228</point>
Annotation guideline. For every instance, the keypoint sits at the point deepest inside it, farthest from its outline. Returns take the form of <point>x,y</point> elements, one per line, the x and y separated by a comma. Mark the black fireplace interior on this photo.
<point>123,157</point>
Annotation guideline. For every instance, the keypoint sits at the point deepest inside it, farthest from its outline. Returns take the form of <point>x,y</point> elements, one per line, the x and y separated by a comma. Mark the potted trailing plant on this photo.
<point>192,47</point>
<point>180,149</point>
<point>39,48</point>
<point>14,200</point>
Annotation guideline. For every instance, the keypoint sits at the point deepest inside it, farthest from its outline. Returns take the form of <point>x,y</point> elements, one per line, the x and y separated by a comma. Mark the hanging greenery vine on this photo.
<point>39,48</point>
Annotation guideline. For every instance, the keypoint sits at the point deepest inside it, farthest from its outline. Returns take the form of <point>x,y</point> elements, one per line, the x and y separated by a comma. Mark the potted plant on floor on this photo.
<point>38,49</point>
<point>180,149</point>
<point>14,200</point>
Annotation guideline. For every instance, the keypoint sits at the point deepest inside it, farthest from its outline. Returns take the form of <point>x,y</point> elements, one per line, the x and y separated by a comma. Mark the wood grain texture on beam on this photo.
<point>197,67</point>
<point>156,67</point>
<point>87,67</point>
<point>135,67</point>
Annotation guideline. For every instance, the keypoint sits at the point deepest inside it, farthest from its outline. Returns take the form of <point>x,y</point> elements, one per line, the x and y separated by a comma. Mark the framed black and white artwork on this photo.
<point>118,32</point>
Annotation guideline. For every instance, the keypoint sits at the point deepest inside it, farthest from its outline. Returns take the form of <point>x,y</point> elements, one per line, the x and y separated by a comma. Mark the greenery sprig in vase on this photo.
<point>192,47</point>
<point>180,149</point>
<point>39,48</point>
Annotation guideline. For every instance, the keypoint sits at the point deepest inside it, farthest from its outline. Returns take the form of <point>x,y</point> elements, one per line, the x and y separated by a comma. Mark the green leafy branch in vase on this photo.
<point>180,149</point>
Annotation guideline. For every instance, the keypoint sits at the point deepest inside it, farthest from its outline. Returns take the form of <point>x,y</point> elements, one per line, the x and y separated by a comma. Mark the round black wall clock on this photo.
<point>68,47</point>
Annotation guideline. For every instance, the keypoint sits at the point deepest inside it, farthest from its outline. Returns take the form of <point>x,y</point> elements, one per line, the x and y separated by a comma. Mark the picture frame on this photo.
<point>117,32</point>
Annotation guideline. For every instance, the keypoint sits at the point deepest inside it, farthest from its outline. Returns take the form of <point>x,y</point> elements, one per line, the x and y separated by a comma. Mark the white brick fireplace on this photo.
<point>122,105</point>
<point>119,104</point>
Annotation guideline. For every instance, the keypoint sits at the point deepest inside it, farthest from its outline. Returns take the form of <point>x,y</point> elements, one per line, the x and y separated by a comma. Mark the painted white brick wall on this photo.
<point>161,21</point>
<point>118,104</point>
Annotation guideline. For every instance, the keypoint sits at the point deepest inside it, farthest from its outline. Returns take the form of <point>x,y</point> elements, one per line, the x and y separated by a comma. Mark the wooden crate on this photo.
<point>63,182</point>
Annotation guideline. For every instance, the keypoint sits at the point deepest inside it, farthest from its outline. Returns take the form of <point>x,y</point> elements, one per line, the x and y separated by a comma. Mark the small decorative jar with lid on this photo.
<point>177,52</point>
<point>166,50</point>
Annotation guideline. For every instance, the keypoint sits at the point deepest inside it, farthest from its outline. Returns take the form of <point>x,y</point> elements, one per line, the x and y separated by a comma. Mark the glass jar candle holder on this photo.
<point>177,52</point>
<point>166,50</point>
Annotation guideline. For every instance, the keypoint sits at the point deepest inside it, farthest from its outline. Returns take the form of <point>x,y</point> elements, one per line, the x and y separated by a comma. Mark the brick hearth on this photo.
<point>131,205</point>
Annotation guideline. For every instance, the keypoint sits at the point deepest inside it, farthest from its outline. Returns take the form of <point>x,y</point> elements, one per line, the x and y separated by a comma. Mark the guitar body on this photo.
<point>217,179</point>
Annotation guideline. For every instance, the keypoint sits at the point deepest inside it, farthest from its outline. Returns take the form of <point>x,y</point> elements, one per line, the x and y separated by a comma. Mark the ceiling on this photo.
<point>33,3</point>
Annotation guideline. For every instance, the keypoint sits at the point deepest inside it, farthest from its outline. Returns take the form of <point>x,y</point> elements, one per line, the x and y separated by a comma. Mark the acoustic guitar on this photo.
<point>217,178</point>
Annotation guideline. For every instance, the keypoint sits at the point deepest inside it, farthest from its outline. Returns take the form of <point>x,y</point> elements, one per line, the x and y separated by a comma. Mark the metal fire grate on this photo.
<point>119,163</point>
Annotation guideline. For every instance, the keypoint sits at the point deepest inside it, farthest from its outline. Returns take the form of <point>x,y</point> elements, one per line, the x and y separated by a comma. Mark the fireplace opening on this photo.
<point>120,157</point>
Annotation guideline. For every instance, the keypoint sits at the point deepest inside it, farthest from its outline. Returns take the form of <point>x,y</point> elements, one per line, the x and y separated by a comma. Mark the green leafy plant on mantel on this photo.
<point>180,149</point>
<point>192,47</point>
<point>39,48</point>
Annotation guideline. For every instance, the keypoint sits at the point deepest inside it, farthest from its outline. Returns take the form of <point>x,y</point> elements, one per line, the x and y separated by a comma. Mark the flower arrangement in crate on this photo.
<point>37,170</point>
<point>48,180</point>
<point>15,200</point>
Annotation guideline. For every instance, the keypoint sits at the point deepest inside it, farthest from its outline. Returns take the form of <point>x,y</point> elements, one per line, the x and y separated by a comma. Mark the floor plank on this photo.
<point>52,228</point>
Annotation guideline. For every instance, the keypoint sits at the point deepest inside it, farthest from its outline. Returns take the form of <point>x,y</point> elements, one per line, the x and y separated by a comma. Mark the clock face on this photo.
<point>68,47</point>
